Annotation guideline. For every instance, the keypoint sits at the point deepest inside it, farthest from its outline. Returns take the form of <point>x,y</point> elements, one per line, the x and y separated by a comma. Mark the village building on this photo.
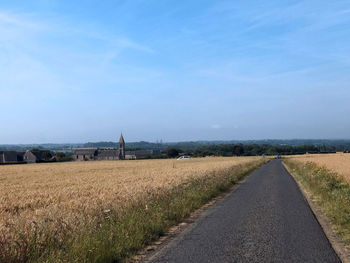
<point>8,157</point>
<point>36,156</point>
<point>11,157</point>
<point>80,154</point>
<point>89,154</point>
<point>84,154</point>
<point>142,154</point>
<point>107,154</point>
<point>121,148</point>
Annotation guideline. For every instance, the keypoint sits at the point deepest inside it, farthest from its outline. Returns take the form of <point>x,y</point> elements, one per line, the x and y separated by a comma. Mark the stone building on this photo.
<point>85,154</point>
<point>107,154</point>
<point>121,148</point>
<point>89,154</point>
<point>142,154</point>
<point>37,156</point>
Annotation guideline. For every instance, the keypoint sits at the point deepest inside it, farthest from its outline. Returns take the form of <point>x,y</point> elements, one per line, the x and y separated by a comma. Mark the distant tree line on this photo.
<point>248,150</point>
<point>321,145</point>
<point>324,145</point>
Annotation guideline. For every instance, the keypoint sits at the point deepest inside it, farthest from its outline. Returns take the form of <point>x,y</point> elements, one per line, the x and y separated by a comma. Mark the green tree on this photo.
<point>172,152</point>
<point>238,150</point>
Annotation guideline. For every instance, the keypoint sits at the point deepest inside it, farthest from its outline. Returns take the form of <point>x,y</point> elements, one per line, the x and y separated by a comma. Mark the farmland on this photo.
<point>339,162</point>
<point>48,205</point>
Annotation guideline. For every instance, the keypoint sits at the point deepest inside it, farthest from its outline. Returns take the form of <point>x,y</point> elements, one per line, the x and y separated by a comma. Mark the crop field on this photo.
<point>338,162</point>
<point>39,202</point>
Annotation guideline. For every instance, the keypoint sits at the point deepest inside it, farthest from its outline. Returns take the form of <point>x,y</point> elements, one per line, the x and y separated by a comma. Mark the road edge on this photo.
<point>336,243</point>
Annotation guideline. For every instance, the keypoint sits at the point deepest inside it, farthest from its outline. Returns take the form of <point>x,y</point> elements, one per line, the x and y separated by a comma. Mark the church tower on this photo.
<point>121,148</point>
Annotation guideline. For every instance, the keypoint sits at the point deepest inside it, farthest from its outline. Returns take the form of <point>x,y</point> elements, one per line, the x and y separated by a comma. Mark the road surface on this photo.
<point>266,219</point>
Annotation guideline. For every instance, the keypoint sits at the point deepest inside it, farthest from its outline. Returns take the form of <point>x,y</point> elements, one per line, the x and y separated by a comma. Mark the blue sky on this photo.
<point>173,70</point>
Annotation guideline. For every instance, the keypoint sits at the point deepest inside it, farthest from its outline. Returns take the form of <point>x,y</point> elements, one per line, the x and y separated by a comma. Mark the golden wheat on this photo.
<point>65,197</point>
<point>338,162</point>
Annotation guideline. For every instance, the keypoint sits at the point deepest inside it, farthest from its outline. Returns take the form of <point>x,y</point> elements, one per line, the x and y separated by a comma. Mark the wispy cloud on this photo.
<point>20,20</point>
<point>41,58</point>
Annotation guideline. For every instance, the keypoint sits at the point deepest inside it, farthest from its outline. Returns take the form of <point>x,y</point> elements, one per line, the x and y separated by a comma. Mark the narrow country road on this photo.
<point>266,219</point>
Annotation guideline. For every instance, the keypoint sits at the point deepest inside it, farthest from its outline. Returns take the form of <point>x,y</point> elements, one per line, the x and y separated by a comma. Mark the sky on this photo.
<point>79,71</point>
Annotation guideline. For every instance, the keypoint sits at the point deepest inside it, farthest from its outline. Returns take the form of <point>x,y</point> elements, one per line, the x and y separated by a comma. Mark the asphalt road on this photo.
<point>266,219</point>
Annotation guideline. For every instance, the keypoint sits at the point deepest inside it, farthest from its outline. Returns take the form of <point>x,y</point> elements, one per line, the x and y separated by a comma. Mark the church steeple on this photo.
<point>121,147</point>
<point>121,139</point>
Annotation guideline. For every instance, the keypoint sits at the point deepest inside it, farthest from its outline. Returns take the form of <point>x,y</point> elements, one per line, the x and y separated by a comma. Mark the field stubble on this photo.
<point>43,205</point>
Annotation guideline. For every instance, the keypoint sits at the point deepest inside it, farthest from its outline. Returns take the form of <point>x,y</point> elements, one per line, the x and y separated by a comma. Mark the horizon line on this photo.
<point>187,141</point>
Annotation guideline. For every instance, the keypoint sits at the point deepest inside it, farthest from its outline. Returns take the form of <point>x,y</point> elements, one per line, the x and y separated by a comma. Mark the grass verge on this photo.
<point>118,235</point>
<point>330,192</point>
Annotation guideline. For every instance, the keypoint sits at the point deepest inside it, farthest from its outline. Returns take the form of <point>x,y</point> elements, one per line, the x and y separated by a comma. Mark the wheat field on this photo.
<point>41,200</point>
<point>337,162</point>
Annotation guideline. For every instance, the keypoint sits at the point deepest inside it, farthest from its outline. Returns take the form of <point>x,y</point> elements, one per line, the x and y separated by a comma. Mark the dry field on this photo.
<point>338,162</point>
<point>57,198</point>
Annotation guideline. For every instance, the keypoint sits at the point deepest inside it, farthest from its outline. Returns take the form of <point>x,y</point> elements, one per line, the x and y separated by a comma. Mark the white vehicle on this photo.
<point>184,157</point>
